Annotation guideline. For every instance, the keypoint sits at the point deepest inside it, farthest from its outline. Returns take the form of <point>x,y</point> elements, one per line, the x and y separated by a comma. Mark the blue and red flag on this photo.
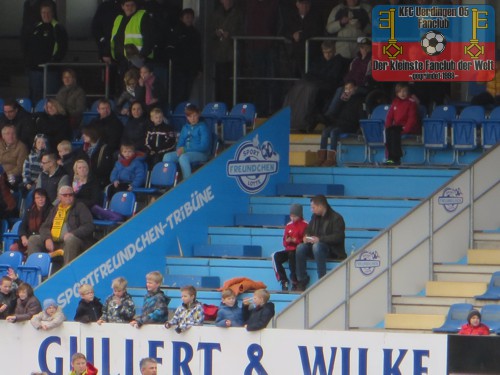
<point>433,43</point>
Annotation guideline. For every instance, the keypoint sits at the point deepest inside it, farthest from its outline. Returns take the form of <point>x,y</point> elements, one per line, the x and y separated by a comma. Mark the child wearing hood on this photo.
<point>32,166</point>
<point>129,171</point>
<point>293,235</point>
<point>474,327</point>
<point>229,313</point>
<point>51,316</point>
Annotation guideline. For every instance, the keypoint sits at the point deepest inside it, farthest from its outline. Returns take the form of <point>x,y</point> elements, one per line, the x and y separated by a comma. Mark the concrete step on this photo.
<point>425,322</point>
<point>463,272</point>
<point>484,256</point>
<point>454,289</point>
<point>487,240</point>
<point>430,305</point>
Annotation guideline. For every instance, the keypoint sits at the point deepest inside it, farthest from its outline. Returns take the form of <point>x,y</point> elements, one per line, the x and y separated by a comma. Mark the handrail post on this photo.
<point>45,68</point>
<point>306,56</point>
<point>106,81</point>
<point>235,63</point>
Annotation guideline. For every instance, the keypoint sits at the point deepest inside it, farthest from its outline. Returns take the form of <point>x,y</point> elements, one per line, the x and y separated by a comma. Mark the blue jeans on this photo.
<point>185,160</point>
<point>319,251</point>
<point>333,133</point>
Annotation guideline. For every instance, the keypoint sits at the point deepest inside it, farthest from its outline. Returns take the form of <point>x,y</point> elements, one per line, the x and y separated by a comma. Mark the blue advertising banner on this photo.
<point>433,43</point>
<point>180,218</point>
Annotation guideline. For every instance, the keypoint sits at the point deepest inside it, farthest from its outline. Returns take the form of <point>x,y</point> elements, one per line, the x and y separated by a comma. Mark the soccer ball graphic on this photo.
<point>433,43</point>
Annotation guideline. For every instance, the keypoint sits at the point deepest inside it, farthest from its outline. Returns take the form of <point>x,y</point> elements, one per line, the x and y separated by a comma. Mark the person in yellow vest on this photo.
<point>67,230</point>
<point>131,37</point>
<point>47,43</point>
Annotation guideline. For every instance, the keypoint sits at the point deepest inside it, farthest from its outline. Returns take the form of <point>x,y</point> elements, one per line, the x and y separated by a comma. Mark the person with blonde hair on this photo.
<point>119,307</point>
<point>155,305</point>
<point>85,186</point>
<point>54,123</point>
<point>261,313</point>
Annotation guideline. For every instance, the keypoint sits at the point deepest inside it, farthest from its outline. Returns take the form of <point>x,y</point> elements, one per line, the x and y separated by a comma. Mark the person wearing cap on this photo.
<point>67,230</point>
<point>52,316</point>
<point>324,238</point>
<point>293,235</point>
<point>474,327</point>
<point>349,19</point>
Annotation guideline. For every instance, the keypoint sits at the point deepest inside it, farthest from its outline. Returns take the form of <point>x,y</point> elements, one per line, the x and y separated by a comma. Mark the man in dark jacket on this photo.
<point>53,176</point>
<point>324,238</point>
<point>108,125</point>
<point>14,114</point>
<point>69,227</point>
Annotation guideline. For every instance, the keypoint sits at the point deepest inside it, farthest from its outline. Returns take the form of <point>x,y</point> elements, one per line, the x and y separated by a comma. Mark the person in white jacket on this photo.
<point>51,316</point>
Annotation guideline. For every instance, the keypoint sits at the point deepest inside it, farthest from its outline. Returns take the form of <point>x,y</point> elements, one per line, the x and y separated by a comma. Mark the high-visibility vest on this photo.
<point>132,32</point>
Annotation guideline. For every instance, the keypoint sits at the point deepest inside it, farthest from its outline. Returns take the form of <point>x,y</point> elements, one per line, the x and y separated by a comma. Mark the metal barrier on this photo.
<point>46,67</point>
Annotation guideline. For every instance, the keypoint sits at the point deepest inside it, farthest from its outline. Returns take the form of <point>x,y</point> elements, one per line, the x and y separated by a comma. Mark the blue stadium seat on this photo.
<point>490,315</point>
<point>10,259</point>
<point>123,203</point>
<point>227,251</point>
<point>1,105</point>
<point>435,131</point>
<point>198,281</point>
<point>493,290</point>
<point>457,316</point>
<point>373,132</point>
<point>212,114</point>
<point>11,236</point>
<point>234,126</point>
<point>490,131</point>
<point>26,104</point>
<point>37,267</point>
<point>40,106</point>
<point>163,177</point>
<point>464,129</point>
<point>178,118</point>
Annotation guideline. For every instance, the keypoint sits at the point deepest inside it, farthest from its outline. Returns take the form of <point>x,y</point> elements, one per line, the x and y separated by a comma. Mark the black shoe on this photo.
<point>284,286</point>
<point>302,284</point>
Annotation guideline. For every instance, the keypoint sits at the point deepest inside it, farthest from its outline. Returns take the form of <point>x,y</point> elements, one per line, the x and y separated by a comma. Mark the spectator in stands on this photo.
<point>402,118</point>
<point>131,28</point>
<point>51,317</point>
<point>360,72</point>
<point>474,327</point>
<point>54,124</point>
<point>293,235</point>
<point>152,91</point>
<point>261,55</point>
<point>72,98</point>
<point>108,125</point>
<point>118,307</point>
<point>343,119</point>
<point>148,366</point>
<point>32,166</point>
<point>130,170</point>
<point>80,366</point>
<point>46,43</point>
<point>299,26</point>
<point>27,304</point>
<point>8,205</point>
<point>134,130</point>
<point>97,154</point>
<point>187,60</point>
<point>12,155</point>
<point>85,185</point>
<point>309,96</point>
<point>227,21</point>
<point>7,297</point>
<point>131,92</point>
<point>69,227</point>
<point>14,114</point>
<point>155,305</point>
<point>229,313</point>
<point>324,238</point>
<point>349,19</point>
<point>89,308</point>
<point>31,16</point>
<point>194,142</point>
<point>67,157</point>
<point>160,137</point>
<point>32,220</point>
<point>102,24</point>
<point>53,176</point>
<point>189,313</point>
<point>262,312</point>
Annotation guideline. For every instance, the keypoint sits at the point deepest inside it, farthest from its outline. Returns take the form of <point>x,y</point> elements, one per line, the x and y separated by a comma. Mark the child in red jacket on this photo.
<point>474,327</point>
<point>294,233</point>
<point>402,118</point>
